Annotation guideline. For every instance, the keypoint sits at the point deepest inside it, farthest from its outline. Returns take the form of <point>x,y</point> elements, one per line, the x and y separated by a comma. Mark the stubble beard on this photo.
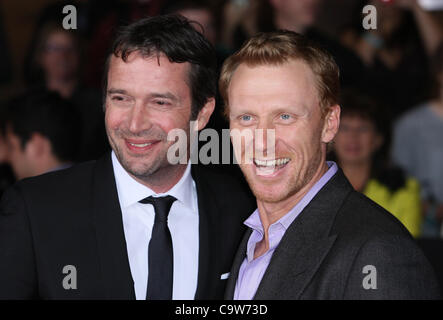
<point>293,185</point>
<point>142,171</point>
<point>150,173</point>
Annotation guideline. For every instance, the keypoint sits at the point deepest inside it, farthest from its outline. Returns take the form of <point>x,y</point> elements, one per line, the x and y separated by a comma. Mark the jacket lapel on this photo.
<point>305,244</point>
<point>207,261</point>
<point>238,260</point>
<point>107,219</point>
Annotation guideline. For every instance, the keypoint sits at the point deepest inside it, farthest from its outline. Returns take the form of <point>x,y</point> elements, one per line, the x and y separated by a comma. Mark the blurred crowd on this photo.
<point>390,143</point>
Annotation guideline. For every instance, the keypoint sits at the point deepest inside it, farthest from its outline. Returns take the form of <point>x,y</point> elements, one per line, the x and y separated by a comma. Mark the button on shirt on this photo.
<point>252,270</point>
<point>138,220</point>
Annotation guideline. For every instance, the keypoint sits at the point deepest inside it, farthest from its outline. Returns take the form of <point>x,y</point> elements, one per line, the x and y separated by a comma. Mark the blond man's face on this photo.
<point>282,98</point>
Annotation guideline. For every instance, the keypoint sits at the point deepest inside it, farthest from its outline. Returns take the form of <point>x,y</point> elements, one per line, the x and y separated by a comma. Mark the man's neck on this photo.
<point>65,87</point>
<point>270,212</point>
<point>437,105</point>
<point>50,163</point>
<point>357,173</point>
<point>283,23</point>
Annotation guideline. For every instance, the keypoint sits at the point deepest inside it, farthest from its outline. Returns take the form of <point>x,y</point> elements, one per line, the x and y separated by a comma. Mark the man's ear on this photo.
<point>38,145</point>
<point>331,124</point>
<point>205,114</point>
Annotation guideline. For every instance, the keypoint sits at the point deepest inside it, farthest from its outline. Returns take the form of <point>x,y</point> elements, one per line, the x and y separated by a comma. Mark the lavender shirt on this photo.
<point>252,270</point>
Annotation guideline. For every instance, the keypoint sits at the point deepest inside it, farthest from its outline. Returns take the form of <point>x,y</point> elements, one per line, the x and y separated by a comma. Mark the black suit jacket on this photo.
<point>325,250</point>
<point>73,217</point>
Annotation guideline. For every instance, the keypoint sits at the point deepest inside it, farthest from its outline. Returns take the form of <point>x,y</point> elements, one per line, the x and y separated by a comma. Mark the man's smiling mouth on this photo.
<point>271,163</point>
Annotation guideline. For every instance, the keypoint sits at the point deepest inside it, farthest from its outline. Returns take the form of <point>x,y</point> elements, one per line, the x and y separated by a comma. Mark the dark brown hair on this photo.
<point>175,37</point>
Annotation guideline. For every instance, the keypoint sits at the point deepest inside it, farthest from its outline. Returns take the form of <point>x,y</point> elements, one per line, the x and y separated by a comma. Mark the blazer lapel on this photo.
<point>207,261</point>
<point>238,260</point>
<point>107,219</point>
<point>305,244</point>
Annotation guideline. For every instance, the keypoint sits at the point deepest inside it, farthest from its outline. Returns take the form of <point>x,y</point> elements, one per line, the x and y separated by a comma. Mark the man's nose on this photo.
<point>139,118</point>
<point>264,138</point>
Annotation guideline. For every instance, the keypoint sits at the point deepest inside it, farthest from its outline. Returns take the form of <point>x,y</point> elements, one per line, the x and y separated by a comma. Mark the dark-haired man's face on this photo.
<point>146,99</point>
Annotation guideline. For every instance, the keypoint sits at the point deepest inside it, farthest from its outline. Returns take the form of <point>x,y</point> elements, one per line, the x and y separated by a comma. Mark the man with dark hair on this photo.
<point>312,236</point>
<point>41,133</point>
<point>132,224</point>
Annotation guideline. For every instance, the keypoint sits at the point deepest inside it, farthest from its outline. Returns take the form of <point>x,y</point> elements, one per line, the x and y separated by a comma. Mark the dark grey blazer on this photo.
<point>323,253</point>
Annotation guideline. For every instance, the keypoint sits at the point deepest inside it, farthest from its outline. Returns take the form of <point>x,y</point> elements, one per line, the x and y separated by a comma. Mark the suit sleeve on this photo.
<point>391,267</point>
<point>17,263</point>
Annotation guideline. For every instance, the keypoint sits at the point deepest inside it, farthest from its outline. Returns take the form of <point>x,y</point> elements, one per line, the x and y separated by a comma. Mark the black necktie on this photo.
<point>160,260</point>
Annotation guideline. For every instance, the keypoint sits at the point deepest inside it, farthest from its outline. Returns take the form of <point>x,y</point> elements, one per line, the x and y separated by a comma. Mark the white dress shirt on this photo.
<point>138,220</point>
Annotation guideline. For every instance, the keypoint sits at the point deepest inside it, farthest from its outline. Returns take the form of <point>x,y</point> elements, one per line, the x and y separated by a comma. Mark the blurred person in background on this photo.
<point>199,11</point>
<point>6,175</point>
<point>203,13</point>
<point>117,14</point>
<point>396,53</point>
<point>40,133</point>
<point>5,61</point>
<point>244,18</point>
<point>300,16</point>
<point>418,148</point>
<point>57,67</point>
<point>57,60</point>
<point>358,149</point>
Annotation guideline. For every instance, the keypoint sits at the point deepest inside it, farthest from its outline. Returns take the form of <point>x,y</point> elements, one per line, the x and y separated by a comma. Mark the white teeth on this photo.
<point>140,145</point>
<point>271,163</point>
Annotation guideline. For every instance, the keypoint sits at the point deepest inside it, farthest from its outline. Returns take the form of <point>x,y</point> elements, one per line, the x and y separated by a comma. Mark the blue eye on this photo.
<point>245,117</point>
<point>285,116</point>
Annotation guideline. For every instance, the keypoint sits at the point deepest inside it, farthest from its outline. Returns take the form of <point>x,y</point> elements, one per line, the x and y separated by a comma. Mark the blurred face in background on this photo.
<point>389,16</point>
<point>356,141</point>
<point>59,57</point>
<point>302,12</point>
<point>205,18</point>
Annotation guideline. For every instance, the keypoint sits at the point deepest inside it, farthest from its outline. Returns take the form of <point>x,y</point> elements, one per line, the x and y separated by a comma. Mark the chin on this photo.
<point>270,196</point>
<point>269,192</point>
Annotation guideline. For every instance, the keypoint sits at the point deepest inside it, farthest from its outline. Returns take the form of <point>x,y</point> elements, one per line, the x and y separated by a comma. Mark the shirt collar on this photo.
<point>254,221</point>
<point>130,191</point>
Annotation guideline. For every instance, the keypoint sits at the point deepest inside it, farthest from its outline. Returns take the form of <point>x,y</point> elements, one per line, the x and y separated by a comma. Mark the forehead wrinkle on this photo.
<point>126,80</point>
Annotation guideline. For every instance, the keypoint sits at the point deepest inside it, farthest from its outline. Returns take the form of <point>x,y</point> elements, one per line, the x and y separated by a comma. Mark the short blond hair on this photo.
<point>277,48</point>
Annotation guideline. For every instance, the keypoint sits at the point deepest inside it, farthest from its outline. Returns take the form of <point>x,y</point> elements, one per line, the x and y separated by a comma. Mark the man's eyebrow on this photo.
<point>112,90</point>
<point>165,95</point>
